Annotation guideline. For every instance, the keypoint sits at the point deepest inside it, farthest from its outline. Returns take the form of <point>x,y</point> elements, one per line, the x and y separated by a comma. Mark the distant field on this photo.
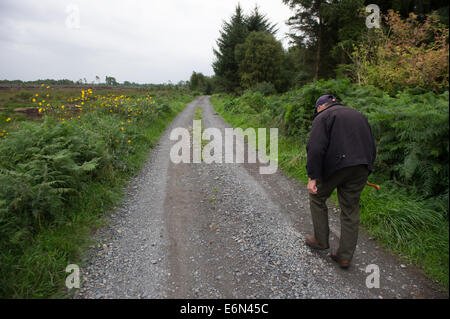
<point>16,99</point>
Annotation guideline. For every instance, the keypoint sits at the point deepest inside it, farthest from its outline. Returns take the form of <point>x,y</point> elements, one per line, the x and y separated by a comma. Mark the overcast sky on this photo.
<point>144,41</point>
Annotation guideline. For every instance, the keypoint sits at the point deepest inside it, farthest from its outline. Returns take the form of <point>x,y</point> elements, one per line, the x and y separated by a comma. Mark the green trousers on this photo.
<point>349,182</point>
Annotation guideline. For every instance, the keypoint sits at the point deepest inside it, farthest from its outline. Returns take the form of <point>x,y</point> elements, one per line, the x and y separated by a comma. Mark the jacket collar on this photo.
<point>317,113</point>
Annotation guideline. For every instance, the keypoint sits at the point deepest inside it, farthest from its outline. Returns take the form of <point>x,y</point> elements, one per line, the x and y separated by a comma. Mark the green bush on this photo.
<point>412,139</point>
<point>410,214</point>
<point>58,176</point>
<point>265,88</point>
<point>410,129</point>
<point>253,100</point>
<point>44,165</point>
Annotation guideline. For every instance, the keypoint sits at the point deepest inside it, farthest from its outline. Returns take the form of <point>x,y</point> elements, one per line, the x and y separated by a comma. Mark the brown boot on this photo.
<point>342,263</point>
<point>313,243</point>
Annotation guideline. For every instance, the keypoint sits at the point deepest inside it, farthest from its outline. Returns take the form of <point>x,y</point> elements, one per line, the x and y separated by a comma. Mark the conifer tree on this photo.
<point>225,66</point>
<point>259,22</point>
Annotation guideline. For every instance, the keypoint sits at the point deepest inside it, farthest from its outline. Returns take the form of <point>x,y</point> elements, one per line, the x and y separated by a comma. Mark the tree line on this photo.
<point>329,39</point>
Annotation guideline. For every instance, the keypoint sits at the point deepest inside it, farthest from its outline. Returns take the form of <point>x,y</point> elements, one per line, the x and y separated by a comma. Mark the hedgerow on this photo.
<point>410,129</point>
<point>410,214</point>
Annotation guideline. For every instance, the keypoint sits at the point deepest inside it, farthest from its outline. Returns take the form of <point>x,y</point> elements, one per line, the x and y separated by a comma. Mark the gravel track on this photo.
<point>225,231</point>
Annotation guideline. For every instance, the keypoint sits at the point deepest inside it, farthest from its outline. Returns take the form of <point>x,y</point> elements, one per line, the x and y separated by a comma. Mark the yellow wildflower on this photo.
<point>8,119</point>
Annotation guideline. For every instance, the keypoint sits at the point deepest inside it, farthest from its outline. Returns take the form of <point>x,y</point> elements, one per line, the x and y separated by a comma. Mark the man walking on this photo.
<point>341,152</point>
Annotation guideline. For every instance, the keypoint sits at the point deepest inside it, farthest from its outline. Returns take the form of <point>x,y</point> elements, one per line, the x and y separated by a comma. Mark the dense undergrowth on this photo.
<point>59,175</point>
<point>410,214</point>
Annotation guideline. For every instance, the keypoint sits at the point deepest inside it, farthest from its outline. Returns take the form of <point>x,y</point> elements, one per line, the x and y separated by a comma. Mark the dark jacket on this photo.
<point>340,137</point>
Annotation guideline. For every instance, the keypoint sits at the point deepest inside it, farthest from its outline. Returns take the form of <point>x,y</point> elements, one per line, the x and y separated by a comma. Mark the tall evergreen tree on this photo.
<point>344,26</point>
<point>259,22</point>
<point>326,29</point>
<point>307,26</point>
<point>225,66</point>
